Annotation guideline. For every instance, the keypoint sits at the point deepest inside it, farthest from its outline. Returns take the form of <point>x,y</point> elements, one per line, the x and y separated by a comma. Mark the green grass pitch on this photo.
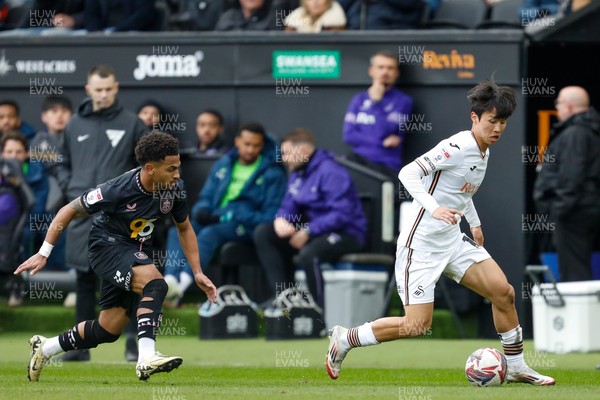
<point>414,369</point>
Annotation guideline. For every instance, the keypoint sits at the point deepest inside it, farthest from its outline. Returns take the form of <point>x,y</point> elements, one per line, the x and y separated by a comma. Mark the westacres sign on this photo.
<point>38,66</point>
<point>133,64</point>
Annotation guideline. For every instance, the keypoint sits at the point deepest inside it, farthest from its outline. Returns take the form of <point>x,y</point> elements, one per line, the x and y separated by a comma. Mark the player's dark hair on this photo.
<point>216,113</point>
<point>253,127</point>
<point>12,103</point>
<point>103,71</point>
<point>51,102</point>
<point>13,135</point>
<point>299,135</point>
<point>150,103</point>
<point>155,146</point>
<point>488,96</point>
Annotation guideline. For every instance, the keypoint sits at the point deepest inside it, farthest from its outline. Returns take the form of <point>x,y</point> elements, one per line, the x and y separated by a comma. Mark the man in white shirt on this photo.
<point>442,183</point>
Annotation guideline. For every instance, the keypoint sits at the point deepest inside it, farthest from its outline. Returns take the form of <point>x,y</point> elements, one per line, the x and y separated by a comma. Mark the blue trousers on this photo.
<point>210,240</point>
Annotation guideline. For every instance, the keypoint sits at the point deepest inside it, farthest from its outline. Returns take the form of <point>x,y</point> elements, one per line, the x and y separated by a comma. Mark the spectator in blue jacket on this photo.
<point>373,124</point>
<point>243,189</point>
<point>320,218</point>
<point>10,119</point>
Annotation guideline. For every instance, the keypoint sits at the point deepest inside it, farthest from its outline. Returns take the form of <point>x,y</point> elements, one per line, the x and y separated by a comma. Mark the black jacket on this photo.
<point>264,19</point>
<point>570,176</point>
<point>98,146</point>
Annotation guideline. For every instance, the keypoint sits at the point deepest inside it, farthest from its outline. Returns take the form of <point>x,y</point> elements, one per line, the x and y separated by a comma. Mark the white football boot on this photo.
<point>528,375</point>
<point>155,364</point>
<point>36,359</point>
<point>334,357</point>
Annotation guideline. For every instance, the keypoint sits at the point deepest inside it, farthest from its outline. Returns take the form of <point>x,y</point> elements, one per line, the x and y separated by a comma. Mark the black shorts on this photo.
<point>112,262</point>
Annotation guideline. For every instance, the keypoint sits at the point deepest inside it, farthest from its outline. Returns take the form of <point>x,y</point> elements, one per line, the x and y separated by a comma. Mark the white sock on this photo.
<point>185,280</point>
<point>516,362</point>
<point>146,348</point>
<point>52,347</point>
<point>359,337</point>
<point>512,342</point>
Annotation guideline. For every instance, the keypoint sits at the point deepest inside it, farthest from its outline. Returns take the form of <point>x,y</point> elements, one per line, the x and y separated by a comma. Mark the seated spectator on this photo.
<point>120,15</point>
<point>14,146</point>
<point>244,189</point>
<point>320,217</point>
<point>383,14</point>
<point>11,181</point>
<point>48,14</point>
<point>150,111</point>
<point>56,114</point>
<point>248,15</point>
<point>316,16</point>
<point>10,119</point>
<point>209,130</point>
<point>191,15</point>
<point>45,149</point>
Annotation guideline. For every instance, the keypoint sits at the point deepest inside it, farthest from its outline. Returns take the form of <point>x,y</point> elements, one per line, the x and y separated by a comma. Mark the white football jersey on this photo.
<point>448,175</point>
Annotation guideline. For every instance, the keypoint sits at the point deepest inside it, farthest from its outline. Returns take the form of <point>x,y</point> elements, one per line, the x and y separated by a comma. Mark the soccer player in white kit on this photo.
<point>442,183</point>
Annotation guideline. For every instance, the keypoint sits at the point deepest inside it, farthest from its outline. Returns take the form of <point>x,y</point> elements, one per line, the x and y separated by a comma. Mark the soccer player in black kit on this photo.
<point>129,207</point>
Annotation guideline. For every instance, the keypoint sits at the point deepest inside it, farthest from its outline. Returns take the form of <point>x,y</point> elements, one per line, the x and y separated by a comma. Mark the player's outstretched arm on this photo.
<point>60,222</point>
<point>189,244</point>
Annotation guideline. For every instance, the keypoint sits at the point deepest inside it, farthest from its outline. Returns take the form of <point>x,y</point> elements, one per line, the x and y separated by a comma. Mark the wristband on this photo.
<point>46,249</point>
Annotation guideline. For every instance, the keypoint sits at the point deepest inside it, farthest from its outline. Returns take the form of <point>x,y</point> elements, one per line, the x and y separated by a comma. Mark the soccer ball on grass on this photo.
<point>486,367</point>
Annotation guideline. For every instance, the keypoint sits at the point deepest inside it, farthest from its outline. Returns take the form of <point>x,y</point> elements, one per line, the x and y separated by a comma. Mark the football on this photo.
<point>486,367</point>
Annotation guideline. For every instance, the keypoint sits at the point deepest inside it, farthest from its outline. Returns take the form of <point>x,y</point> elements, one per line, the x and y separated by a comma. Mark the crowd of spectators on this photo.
<point>33,17</point>
<point>244,189</point>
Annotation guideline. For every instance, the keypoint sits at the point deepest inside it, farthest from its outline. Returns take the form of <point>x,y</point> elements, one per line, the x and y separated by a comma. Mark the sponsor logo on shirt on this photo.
<point>93,197</point>
<point>469,188</point>
<point>365,119</point>
<point>431,164</point>
<point>115,136</point>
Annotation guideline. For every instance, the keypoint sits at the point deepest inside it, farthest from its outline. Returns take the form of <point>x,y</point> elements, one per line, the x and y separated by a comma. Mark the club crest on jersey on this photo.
<point>165,205</point>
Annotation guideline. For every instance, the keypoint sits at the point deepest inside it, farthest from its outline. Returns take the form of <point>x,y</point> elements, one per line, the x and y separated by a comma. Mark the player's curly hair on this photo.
<point>488,96</point>
<point>155,146</point>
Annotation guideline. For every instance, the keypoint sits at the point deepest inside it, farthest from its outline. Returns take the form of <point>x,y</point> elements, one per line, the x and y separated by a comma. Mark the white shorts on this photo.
<point>418,271</point>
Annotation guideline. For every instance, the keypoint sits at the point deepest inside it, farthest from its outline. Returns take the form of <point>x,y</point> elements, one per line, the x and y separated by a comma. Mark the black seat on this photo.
<point>504,15</point>
<point>458,14</point>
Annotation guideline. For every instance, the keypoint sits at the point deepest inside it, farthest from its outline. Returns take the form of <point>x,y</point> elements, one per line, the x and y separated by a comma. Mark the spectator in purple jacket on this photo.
<point>373,121</point>
<point>320,217</point>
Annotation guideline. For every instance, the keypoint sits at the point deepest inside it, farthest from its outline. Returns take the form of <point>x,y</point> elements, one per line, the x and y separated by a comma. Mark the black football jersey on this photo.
<point>128,212</point>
